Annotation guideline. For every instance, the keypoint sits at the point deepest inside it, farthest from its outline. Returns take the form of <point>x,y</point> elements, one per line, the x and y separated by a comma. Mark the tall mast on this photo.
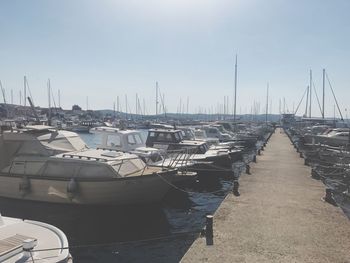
<point>59,98</point>
<point>114,110</point>
<point>267,102</point>
<point>118,109</point>
<point>323,87</point>
<point>25,91</point>
<point>136,106</point>
<point>126,106</point>
<point>49,97</point>
<point>11,96</point>
<point>307,100</point>
<point>156,98</point>
<point>310,93</point>
<point>235,94</point>
<point>144,107</point>
<point>188,102</point>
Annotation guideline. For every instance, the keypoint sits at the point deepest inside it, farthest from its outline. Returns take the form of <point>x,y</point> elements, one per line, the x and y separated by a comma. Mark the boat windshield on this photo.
<point>129,167</point>
<point>113,140</point>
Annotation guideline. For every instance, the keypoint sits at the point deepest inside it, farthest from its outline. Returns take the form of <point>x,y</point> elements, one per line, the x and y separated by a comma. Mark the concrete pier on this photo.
<point>279,217</point>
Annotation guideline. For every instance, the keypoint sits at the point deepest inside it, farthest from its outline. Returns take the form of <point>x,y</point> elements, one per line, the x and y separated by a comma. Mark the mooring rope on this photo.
<point>175,235</point>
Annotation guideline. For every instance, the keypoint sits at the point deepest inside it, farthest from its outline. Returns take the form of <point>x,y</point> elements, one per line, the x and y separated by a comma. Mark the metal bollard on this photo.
<point>259,153</point>
<point>235,188</point>
<point>247,169</point>
<point>301,155</point>
<point>329,198</point>
<point>254,158</point>
<point>209,230</point>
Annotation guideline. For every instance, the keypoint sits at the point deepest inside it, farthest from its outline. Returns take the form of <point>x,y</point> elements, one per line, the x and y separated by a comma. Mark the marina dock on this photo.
<point>279,217</point>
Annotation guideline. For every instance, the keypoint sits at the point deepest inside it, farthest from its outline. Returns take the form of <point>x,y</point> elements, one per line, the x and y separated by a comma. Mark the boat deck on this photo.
<point>279,217</point>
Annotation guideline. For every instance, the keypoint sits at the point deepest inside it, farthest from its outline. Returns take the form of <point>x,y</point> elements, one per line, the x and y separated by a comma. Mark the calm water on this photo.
<point>157,233</point>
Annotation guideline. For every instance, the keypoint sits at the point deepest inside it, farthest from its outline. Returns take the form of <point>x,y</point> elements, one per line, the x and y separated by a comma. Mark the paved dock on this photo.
<point>279,217</point>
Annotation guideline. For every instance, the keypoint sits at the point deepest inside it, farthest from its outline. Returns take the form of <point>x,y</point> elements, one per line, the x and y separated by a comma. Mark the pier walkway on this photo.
<point>279,217</point>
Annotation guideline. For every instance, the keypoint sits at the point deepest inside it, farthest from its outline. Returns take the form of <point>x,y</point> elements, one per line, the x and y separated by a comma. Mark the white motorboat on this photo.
<point>131,141</point>
<point>332,137</point>
<point>42,164</point>
<point>32,241</point>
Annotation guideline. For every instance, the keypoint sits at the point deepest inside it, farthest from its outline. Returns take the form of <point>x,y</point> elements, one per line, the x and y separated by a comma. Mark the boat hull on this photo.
<point>117,191</point>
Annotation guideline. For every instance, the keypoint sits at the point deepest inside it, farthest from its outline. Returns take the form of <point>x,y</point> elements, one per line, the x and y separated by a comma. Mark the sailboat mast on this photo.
<point>49,97</point>
<point>156,98</point>
<point>323,88</point>
<point>59,98</point>
<point>310,93</point>
<point>267,102</point>
<point>235,94</point>
<point>25,91</point>
<point>307,100</point>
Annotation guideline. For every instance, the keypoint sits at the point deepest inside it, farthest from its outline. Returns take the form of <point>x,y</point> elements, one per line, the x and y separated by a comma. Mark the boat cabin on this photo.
<point>172,140</point>
<point>119,140</point>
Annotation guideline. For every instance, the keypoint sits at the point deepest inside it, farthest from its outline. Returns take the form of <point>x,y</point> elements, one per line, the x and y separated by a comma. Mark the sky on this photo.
<point>101,49</point>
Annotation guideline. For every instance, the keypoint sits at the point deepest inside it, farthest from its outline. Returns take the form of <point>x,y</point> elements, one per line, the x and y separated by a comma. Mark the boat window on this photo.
<point>211,130</point>
<point>131,139</point>
<point>138,139</point>
<point>129,167</point>
<point>152,134</point>
<point>178,136</point>
<point>165,137</point>
<point>113,140</point>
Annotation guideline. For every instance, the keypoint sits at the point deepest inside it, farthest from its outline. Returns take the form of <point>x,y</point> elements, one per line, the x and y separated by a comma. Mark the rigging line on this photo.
<point>302,98</point>
<point>336,101</point>
<point>30,92</point>
<point>318,101</point>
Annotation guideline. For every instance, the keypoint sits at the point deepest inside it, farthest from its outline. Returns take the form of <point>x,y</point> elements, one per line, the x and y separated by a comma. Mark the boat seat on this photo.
<point>10,244</point>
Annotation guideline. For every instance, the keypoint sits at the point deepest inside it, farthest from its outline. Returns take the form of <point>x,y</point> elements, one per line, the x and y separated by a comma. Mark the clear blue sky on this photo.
<point>105,48</point>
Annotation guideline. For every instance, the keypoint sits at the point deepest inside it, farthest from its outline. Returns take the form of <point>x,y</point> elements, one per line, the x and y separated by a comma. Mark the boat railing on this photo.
<point>80,157</point>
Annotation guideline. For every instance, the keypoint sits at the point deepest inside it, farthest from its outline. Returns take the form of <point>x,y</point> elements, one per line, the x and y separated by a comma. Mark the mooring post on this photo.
<point>235,188</point>
<point>259,152</point>
<point>209,230</point>
<point>247,169</point>
<point>301,154</point>
<point>329,198</point>
<point>254,158</point>
<point>315,175</point>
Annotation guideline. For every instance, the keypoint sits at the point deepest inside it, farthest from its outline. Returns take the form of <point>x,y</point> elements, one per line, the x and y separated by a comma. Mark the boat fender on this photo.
<point>24,186</point>
<point>72,188</point>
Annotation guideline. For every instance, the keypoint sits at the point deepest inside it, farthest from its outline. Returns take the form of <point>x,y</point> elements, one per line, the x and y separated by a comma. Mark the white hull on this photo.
<point>125,191</point>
